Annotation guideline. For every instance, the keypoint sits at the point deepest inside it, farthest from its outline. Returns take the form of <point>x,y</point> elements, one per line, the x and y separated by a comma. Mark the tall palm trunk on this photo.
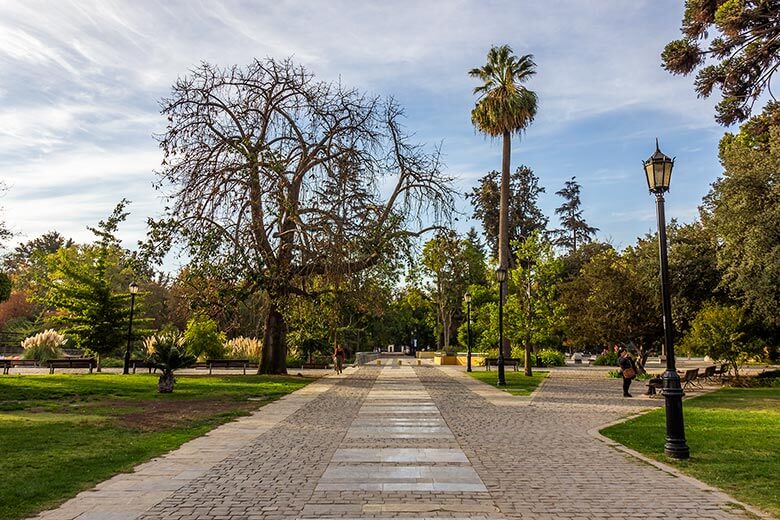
<point>503,216</point>
<point>527,357</point>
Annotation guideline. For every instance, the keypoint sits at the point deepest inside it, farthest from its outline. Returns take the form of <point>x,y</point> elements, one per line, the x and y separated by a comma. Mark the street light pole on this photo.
<point>133,290</point>
<point>658,169</point>
<point>501,279</point>
<point>467,298</point>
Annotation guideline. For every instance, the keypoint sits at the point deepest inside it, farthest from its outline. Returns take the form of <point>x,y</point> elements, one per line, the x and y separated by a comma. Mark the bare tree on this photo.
<point>281,178</point>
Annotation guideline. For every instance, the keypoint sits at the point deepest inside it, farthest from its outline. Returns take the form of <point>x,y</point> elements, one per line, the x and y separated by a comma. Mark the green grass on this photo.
<point>734,437</point>
<point>516,382</point>
<point>64,433</point>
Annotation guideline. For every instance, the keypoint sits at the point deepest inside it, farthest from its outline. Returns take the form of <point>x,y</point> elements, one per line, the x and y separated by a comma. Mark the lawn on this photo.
<point>516,382</point>
<point>734,437</point>
<point>64,433</point>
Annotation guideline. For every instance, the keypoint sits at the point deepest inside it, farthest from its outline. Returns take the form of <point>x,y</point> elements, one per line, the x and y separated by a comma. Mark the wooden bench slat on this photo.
<point>507,361</point>
<point>227,364</point>
<point>72,363</point>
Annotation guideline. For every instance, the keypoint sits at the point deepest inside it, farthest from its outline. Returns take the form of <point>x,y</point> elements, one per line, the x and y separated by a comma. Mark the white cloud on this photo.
<point>80,79</point>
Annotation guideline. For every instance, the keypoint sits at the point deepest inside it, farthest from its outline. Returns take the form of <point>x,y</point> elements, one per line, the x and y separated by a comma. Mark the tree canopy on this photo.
<point>742,37</point>
<point>525,215</point>
<point>274,177</point>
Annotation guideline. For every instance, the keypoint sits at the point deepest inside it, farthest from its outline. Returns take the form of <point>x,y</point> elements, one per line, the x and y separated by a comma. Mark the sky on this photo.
<point>80,84</point>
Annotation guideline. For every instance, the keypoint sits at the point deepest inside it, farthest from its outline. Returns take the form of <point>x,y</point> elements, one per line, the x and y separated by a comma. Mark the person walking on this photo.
<point>627,370</point>
<point>338,358</point>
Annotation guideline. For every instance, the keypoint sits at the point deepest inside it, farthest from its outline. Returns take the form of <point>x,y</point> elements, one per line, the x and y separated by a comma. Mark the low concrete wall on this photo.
<point>425,355</point>
<point>477,360</point>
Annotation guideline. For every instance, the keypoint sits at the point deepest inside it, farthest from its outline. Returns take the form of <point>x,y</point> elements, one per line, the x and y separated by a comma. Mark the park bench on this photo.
<point>709,374</point>
<point>723,371</point>
<point>89,363</point>
<point>227,364</point>
<point>142,363</point>
<point>689,378</point>
<point>7,364</point>
<point>515,362</point>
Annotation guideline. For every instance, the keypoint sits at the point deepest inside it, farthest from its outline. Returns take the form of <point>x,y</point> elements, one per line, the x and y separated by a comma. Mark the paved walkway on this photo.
<point>409,442</point>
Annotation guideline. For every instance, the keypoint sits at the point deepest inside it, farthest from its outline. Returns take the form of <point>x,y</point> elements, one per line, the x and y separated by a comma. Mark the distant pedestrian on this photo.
<point>338,358</point>
<point>627,370</point>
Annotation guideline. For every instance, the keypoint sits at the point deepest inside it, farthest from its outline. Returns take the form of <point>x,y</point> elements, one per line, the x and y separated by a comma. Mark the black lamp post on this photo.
<point>467,299</point>
<point>133,291</point>
<point>658,169</point>
<point>501,279</point>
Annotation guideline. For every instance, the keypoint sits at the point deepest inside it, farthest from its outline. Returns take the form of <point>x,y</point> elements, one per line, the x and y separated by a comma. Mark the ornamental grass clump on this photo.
<point>44,346</point>
<point>243,348</point>
<point>168,352</point>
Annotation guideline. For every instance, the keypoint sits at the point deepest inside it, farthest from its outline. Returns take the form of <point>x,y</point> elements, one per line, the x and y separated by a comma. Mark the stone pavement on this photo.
<point>410,442</point>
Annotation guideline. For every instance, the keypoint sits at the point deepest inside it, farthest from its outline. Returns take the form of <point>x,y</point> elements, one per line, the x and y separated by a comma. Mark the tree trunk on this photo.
<point>166,382</point>
<point>503,211</point>
<point>528,369</point>
<point>274,357</point>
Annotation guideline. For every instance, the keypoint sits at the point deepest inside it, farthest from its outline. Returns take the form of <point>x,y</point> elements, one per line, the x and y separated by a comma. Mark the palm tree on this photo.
<point>504,107</point>
<point>168,352</point>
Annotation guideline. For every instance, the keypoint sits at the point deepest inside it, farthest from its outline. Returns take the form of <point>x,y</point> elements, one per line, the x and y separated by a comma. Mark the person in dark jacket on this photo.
<point>626,364</point>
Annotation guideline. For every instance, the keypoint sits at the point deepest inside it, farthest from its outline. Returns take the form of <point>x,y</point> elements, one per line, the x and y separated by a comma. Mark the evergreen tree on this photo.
<point>525,216</point>
<point>86,286</point>
<point>574,230</point>
<point>743,210</point>
<point>743,47</point>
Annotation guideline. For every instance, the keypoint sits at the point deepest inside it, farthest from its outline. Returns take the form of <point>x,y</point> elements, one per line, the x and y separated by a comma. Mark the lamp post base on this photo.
<point>675,446</point>
<point>501,376</point>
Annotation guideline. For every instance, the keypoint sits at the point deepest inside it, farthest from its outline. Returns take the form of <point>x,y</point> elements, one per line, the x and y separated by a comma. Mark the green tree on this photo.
<point>484,318</point>
<point>272,176</point>
<point>86,285</point>
<point>613,301</point>
<point>5,287</point>
<point>743,211</point>
<point>504,107</point>
<point>743,37</point>
<point>525,215</point>
<point>25,256</point>
<point>574,230</point>
<point>444,261</point>
<point>534,312</point>
<point>693,270</point>
<point>204,339</point>
<point>722,332</point>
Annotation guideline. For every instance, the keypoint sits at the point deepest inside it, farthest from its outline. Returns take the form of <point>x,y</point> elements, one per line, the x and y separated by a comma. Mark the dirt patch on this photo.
<point>157,415</point>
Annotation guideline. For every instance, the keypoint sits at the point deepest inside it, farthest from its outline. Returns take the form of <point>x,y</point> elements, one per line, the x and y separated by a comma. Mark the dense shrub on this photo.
<point>243,348</point>
<point>552,358</point>
<point>294,361</point>
<point>44,346</point>
<point>517,352</point>
<point>203,338</point>
<point>608,359</point>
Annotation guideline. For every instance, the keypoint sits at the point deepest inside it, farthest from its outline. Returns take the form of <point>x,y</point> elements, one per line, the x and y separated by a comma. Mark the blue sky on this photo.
<point>80,83</point>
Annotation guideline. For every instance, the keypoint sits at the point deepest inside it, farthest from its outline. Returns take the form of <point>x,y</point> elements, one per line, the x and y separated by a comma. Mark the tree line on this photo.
<point>309,217</point>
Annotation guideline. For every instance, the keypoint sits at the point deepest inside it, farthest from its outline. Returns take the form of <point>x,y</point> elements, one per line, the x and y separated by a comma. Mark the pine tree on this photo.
<point>86,286</point>
<point>525,216</point>
<point>574,230</point>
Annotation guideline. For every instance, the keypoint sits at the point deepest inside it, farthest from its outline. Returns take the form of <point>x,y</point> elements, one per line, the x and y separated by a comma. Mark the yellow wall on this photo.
<point>476,360</point>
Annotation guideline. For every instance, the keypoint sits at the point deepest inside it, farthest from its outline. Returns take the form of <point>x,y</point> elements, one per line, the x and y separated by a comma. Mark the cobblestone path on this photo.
<point>414,443</point>
<point>539,461</point>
